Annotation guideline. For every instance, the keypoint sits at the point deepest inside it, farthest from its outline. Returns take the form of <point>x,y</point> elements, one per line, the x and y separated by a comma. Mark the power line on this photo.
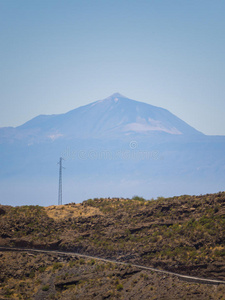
<point>60,181</point>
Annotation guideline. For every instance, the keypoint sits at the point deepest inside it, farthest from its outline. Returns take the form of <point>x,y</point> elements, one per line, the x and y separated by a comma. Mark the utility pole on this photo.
<point>60,181</point>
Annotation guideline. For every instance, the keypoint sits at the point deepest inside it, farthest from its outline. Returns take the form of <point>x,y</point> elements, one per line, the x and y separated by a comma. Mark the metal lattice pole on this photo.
<point>60,182</point>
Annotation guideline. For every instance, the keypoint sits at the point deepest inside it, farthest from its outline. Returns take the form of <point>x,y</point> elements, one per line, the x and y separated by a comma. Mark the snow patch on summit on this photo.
<point>141,125</point>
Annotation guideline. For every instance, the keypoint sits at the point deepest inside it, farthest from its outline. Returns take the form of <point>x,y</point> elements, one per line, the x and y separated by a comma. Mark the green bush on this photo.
<point>82,261</point>
<point>119,287</point>
<point>72,263</point>
<point>42,269</point>
<point>160,198</point>
<point>138,198</point>
<point>57,266</point>
<point>92,262</point>
<point>45,288</point>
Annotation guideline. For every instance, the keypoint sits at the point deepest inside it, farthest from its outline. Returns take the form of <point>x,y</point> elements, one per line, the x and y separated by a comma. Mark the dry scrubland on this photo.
<point>42,276</point>
<point>184,234</point>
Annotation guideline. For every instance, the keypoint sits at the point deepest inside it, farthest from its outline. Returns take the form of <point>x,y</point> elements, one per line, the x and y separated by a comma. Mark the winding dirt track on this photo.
<point>182,277</point>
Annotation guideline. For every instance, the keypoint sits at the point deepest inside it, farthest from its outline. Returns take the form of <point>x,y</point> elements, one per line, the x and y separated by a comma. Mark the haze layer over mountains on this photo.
<point>111,147</point>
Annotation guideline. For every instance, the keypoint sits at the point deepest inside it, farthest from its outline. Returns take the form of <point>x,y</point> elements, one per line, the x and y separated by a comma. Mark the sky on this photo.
<point>57,55</point>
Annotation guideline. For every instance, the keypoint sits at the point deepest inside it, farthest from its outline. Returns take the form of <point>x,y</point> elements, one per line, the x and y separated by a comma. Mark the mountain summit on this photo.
<point>121,114</point>
<point>116,116</point>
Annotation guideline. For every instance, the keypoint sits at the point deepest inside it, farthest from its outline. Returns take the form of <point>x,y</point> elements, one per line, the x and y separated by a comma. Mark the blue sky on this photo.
<point>58,55</point>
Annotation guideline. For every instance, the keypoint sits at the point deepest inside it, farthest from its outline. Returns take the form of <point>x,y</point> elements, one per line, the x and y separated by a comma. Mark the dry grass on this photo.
<point>71,211</point>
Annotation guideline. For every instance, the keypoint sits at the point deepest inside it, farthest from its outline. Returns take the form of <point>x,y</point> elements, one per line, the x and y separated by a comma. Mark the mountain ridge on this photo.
<point>115,115</point>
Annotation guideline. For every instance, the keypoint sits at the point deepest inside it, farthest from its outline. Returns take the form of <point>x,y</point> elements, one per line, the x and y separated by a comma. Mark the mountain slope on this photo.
<point>115,116</point>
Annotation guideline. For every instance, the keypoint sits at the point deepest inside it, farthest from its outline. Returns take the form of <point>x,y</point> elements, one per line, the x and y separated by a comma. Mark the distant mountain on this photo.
<point>112,147</point>
<point>114,116</point>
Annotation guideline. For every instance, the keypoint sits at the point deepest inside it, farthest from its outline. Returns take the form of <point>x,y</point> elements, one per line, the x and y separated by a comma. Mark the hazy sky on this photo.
<point>58,55</point>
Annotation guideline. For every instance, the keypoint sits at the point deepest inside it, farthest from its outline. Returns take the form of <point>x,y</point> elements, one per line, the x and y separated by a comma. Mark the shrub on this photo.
<point>138,198</point>
<point>82,261</point>
<point>91,262</point>
<point>160,198</point>
<point>45,288</point>
<point>216,209</point>
<point>72,263</point>
<point>57,266</point>
<point>42,269</point>
<point>32,274</point>
<point>8,292</point>
<point>119,287</point>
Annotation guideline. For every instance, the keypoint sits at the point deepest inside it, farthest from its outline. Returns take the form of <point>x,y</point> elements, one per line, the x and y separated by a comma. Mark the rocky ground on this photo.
<point>184,234</point>
<point>50,276</point>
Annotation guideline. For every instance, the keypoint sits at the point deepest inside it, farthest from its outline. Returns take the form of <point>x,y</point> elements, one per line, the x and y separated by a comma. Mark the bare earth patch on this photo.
<point>71,211</point>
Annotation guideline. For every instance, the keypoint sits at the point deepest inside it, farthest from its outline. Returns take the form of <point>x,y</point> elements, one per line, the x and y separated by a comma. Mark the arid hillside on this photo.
<point>54,276</point>
<point>183,234</point>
